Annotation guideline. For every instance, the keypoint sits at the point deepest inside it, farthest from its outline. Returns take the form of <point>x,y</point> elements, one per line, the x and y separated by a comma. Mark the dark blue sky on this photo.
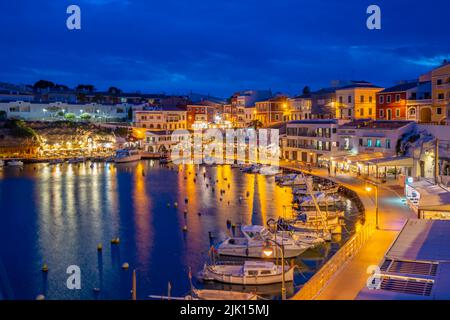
<point>220,46</point>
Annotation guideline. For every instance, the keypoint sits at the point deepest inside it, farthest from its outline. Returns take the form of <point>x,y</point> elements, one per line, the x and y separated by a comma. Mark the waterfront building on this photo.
<point>159,118</point>
<point>357,100</point>
<point>199,116</point>
<point>405,101</point>
<point>440,79</point>
<point>300,107</point>
<point>308,140</point>
<point>243,105</point>
<point>28,110</point>
<point>273,110</point>
<point>372,147</point>
<point>323,103</point>
<point>12,92</point>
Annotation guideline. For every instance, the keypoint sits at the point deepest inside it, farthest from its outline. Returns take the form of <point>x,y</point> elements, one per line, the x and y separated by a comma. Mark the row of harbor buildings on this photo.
<point>422,100</point>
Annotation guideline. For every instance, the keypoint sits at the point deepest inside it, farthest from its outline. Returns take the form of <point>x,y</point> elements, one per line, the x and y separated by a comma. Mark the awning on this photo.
<point>360,157</point>
<point>393,161</point>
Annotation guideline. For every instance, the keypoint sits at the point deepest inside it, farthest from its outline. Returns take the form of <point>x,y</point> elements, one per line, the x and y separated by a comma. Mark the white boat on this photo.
<point>313,216</point>
<point>15,163</point>
<point>310,238</point>
<point>253,241</point>
<point>269,170</point>
<point>303,190</point>
<point>333,226</point>
<point>250,273</point>
<point>127,155</point>
<point>299,179</point>
<point>282,178</point>
<point>322,200</point>
<point>305,229</point>
<point>2,163</point>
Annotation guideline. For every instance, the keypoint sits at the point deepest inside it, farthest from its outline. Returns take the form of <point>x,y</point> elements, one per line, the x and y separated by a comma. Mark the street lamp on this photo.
<point>268,252</point>
<point>369,189</point>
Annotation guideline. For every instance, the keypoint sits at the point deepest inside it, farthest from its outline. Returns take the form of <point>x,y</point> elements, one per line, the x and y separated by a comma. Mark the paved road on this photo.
<point>393,212</point>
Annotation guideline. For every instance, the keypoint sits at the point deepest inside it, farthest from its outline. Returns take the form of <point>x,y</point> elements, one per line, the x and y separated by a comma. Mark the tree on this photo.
<point>70,116</point>
<point>114,90</point>
<point>43,84</point>
<point>85,116</point>
<point>306,91</point>
<point>130,113</point>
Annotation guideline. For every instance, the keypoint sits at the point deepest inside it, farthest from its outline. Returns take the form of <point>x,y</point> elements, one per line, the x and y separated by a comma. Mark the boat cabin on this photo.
<point>259,268</point>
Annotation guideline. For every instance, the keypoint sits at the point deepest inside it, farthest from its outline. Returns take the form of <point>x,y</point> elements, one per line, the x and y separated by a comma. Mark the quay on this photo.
<point>344,278</point>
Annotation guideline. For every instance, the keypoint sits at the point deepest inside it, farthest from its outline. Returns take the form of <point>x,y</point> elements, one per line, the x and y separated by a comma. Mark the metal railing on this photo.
<point>322,277</point>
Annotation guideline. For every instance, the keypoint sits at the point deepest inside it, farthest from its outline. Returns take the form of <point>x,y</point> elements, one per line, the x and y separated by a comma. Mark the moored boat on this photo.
<point>254,240</point>
<point>299,179</point>
<point>2,163</point>
<point>269,170</point>
<point>249,273</point>
<point>127,155</point>
<point>15,163</point>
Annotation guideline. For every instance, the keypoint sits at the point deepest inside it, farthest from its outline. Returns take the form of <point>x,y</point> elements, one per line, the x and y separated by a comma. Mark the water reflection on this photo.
<point>59,214</point>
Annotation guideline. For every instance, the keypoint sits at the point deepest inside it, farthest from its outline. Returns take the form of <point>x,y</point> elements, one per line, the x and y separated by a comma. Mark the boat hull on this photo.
<point>257,251</point>
<point>213,273</point>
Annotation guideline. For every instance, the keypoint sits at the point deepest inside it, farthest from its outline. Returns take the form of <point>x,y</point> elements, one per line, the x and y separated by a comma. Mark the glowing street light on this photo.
<point>268,252</point>
<point>369,189</point>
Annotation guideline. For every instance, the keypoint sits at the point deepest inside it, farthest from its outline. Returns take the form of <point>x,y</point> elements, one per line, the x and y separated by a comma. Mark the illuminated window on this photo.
<point>369,143</point>
<point>378,143</point>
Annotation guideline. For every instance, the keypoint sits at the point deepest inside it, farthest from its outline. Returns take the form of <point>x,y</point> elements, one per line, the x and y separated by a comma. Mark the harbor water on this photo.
<point>56,215</point>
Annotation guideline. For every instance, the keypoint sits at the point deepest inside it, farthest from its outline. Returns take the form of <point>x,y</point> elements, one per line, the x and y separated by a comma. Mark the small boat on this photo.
<point>282,178</point>
<point>269,170</point>
<point>299,179</point>
<point>250,273</point>
<point>127,155</point>
<point>322,200</point>
<point>333,226</point>
<point>253,241</point>
<point>76,160</point>
<point>313,216</point>
<point>302,190</point>
<point>306,229</point>
<point>15,163</point>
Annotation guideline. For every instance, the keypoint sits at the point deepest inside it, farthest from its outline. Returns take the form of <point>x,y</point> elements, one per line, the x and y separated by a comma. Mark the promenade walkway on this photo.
<point>392,213</point>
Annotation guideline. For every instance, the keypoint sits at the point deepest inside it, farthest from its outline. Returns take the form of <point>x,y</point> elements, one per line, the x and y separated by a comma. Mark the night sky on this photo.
<point>220,46</point>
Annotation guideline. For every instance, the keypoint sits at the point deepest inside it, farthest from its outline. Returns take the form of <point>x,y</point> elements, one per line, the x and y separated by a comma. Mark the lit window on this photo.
<point>369,143</point>
<point>378,143</point>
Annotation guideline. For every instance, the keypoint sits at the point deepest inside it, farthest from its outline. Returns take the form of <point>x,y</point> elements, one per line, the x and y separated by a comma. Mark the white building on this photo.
<point>27,110</point>
<point>308,140</point>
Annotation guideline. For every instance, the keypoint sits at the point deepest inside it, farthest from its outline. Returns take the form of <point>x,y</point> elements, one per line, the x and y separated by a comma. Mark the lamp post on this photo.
<point>368,189</point>
<point>268,252</point>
